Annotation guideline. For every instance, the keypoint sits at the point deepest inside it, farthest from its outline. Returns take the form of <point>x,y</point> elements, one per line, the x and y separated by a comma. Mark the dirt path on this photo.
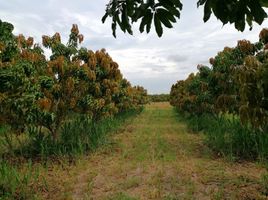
<point>155,157</point>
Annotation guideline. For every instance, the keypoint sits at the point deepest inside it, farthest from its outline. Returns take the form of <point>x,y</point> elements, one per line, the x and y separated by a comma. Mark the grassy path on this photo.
<point>155,157</point>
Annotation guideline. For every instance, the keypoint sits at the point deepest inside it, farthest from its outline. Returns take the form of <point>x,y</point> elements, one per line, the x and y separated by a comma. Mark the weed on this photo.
<point>77,137</point>
<point>264,182</point>
<point>227,137</point>
<point>17,185</point>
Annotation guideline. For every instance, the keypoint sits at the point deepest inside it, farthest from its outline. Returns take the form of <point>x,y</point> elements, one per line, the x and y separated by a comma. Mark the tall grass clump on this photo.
<point>227,137</point>
<point>77,136</point>
<point>15,184</point>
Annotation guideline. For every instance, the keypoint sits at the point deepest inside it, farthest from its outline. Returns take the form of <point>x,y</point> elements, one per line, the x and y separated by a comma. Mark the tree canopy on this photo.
<point>166,12</point>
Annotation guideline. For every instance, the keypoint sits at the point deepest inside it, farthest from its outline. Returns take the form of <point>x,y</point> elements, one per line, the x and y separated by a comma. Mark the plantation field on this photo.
<point>154,156</point>
<point>73,127</point>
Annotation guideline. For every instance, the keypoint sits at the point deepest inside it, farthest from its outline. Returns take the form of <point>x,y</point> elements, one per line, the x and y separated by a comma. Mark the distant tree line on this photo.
<point>158,97</point>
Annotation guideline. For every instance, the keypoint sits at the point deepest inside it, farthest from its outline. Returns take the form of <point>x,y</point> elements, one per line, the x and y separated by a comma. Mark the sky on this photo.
<point>144,59</point>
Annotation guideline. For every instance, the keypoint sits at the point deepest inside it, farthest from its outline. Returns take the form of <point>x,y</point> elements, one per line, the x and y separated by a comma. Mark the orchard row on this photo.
<point>236,83</point>
<point>37,91</point>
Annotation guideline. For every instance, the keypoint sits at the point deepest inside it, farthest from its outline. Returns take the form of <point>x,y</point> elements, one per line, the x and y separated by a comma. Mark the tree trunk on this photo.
<point>54,133</point>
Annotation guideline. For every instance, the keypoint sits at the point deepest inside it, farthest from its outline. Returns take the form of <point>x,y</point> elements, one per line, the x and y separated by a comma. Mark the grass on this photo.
<point>264,182</point>
<point>23,176</point>
<point>153,156</point>
<point>156,157</point>
<point>227,137</point>
<point>131,182</point>
<point>2,144</point>
<point>77,136</point>
<point>16,183</point>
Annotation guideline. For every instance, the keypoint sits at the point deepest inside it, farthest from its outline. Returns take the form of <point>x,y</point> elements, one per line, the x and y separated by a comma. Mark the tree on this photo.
<point>253,78</point>
<point>223,83</point>
<point>44,93</point>
<point>166,12</point>
<point>192,95</point>
<point>236,83</point>
<point>19,58</point>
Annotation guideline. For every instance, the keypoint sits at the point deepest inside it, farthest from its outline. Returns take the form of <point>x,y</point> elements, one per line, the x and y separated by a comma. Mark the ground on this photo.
<point>155,156</point>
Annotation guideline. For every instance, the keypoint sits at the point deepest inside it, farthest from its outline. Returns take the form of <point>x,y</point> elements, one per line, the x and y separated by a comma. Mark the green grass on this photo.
<point>264,182</point>
<point>77,136</point>
<point>226,136</point>
<point>153,156</point>
<point>2,143</point>
<point>20,180</point>
<point>156,157</point>
<point>150,143</point>
<point>17,184</point>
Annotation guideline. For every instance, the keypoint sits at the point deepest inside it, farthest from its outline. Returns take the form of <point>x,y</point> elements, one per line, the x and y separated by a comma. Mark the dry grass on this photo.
<point>154,157</point>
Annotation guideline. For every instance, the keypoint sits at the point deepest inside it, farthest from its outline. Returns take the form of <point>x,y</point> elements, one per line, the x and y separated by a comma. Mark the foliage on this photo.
<point>43,94</point>
<point>192,95</point>
<point>159,97</point>
<point>166,12</point>
<point>124,13</point>
<point>140,95</point>
<point>18,74</point>
<point>254,88</point>
<point>235,85</point>
<point>237,12</point>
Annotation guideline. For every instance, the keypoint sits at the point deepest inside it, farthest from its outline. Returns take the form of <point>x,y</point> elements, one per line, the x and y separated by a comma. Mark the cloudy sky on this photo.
<point>144,59</point>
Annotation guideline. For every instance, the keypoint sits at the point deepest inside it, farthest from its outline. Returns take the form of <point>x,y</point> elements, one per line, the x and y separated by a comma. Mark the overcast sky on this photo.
<point>143,59</point>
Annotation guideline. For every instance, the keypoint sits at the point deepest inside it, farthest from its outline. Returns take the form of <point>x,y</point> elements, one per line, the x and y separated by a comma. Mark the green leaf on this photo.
<point>264,3</point>
<point>220,10</point>
<point>171,9</point>
<point>130,6</point>
<point>164,14</point>
<point>103,19</point>
<point>163,18</point>
<point>129,30</point>
<point>114,28</point>
<point>249,20</point>
<point>201,2</point>
<point>158,26</point>
<point>207,11</point>
<point>148,27</point>
<point>240,25</point>
<point>257,11</point>
<point>145,20</point>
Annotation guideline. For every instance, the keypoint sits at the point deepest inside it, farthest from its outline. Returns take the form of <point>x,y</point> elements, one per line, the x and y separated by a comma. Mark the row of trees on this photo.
<point>236,83</point>
<point>44,93</point>
<point>159,97</point>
